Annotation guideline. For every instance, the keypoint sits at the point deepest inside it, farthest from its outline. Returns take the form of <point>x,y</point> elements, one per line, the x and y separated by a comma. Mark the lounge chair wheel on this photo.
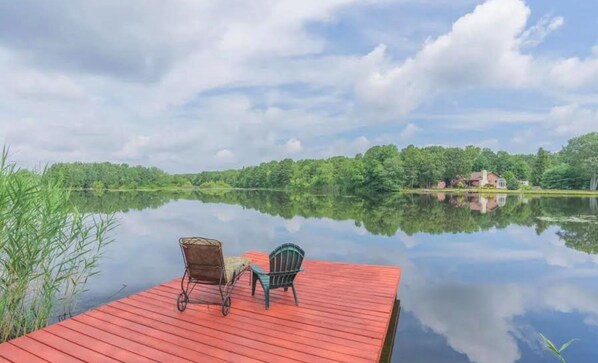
<point>226,306</point>
<point>181,301</point>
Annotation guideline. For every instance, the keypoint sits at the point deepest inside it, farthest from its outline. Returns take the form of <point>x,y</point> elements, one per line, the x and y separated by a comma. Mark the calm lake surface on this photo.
<point>481,276</point>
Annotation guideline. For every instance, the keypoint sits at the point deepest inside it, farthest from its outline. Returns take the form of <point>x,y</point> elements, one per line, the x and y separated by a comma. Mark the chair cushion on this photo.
<point>234,266</point>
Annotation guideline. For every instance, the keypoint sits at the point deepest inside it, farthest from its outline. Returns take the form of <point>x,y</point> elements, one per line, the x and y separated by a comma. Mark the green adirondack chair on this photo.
<point>285,264</point>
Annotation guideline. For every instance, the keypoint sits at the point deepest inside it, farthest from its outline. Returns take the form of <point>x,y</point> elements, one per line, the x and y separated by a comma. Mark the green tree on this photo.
<point>582,154</point>
<point>411,157</point>
<point>383,168</point>
<point>504,163</point>
<point>349,174</point>
<point>561,176</point>
<point>281,176</point>
<point>430,166</point>
<point>486,160</point>
<point>521,170</point>
<point>512,182</point>
<point>323,175</point>
<point>541,164</point>
<point>457,162</point>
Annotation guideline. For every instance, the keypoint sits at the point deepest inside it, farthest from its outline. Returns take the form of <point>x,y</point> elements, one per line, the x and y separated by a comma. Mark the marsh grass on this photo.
<point>48,250</point>
<point>557,352</point>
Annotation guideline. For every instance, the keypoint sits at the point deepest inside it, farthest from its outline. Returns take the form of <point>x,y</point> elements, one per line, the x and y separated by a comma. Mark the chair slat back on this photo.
<point>285,263</point>
<point>203,257</point>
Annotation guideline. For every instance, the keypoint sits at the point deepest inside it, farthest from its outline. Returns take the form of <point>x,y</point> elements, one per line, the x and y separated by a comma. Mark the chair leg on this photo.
<point>267,298</point>
<point>295,294</point>
<point>253,283</point>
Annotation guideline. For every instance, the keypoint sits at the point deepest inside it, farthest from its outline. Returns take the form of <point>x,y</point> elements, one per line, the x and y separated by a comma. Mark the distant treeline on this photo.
<point>100,176</point>
<point>379,169</point>
<point>385,168</point>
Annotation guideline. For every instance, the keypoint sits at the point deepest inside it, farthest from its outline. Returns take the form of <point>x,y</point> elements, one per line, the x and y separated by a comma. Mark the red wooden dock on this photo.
<point>343,315</point>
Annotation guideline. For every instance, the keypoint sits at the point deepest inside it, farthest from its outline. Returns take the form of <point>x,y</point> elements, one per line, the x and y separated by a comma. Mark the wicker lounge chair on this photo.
<point>205,264</point>
<point>285,264</point>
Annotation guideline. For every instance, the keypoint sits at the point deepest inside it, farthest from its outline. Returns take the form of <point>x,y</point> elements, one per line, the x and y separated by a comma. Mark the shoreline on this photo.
<point>545,192</point>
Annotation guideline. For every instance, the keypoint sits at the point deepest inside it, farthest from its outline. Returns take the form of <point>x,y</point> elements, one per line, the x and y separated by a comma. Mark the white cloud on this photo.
<point>166,85</point>
<point>141,68</point>
<point>480,50</point>
<point>523,137</point>
<point>493,143</point>
<point>571,120</point>
<point>574,73</point>
<point>225,156</point>
<point>346,147</point>
<point>293,146</point>
<point>409,131</point>
<point>361,144</point>
<point>134,147</point>
<point>294,224</point>
<point>536,34</point>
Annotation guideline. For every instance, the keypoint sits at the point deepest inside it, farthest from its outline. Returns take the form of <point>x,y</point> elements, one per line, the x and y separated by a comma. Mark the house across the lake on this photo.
<point>479,179</point>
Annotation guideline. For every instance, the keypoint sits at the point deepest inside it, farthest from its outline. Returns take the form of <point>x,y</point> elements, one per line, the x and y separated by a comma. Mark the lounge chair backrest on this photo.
<point>285,263</point>
<point>203,259</point>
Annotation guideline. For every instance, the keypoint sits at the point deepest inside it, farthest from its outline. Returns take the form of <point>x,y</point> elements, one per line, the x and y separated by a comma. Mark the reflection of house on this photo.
<point>501,199</point>
<point>480,179</point>
<point>483,204</point>
<point>478,203</point>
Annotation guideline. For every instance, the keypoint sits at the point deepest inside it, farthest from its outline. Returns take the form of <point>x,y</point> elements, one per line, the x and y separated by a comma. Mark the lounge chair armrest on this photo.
<point>258,270</point>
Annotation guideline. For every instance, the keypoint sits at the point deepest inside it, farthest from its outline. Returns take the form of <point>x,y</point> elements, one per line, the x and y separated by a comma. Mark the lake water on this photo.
<point>481,276</point>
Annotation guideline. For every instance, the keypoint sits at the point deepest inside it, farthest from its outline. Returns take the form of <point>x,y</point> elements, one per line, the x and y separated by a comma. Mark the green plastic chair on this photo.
<point>285,264</point>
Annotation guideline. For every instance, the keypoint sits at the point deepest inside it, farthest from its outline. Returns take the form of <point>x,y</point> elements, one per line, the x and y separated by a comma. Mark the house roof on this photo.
<point>477,175</point>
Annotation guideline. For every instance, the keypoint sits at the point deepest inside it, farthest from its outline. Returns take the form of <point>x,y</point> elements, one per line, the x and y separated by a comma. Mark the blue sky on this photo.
<point>189,86</point>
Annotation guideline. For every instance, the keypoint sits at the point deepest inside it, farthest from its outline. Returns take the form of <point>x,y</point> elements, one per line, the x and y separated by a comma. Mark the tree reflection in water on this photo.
<point>387,214</point>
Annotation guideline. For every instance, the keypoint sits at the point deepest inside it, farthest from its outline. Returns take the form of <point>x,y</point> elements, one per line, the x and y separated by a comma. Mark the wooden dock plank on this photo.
<point>348,324</point>
<point>128,343</point>
<point>324,301</point>
<point>310,338</point>
<point>94,344</point>
<point>176,336</point>
<point>47,352</point>
<point>343,315</point>
<point>275,343</point>
<point>227,340</point>
<point>296,320</point>
<point>272,345</point>
<point>66,346</point>
<point>12,353</point>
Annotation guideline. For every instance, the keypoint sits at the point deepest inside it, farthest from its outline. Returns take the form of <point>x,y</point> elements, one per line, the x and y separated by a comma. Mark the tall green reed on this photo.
<point>48,249</point>
<point>557,352</point>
